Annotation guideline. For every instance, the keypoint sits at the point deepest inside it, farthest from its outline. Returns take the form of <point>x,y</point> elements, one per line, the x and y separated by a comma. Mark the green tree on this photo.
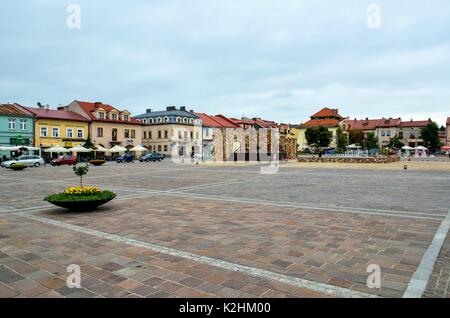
<point>80,171</point>
<point>342,140</point>
<point>318,136</point>
<point>88,143</point>
<point>395,143</point>
<point>356,137</point>
<point>371,141</point>
<point>430,136</point>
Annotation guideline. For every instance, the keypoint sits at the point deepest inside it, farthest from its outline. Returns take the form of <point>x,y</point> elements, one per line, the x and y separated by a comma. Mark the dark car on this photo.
<point>126,157</point>
<point>64,160</point>
<point>152,157</point>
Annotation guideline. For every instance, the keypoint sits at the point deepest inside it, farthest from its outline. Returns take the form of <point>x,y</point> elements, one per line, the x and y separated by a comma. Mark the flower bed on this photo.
<point>81,198</point>
<point>17,166</point>
<point>97,162</point>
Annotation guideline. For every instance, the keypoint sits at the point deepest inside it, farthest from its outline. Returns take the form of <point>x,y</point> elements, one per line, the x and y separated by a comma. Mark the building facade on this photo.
<point>326,117</point>
<point>58,128</point>
<point>16,128</point>
<point>410,132</point>
<point>109,126</point>
<point>172,129</point>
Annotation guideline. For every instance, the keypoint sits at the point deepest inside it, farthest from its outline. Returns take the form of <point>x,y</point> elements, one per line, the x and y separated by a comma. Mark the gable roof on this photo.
<point>415,123</point>
<point>321,122</point>
<point>327,112</point>
<point>365,124</point>
<point>265,123</point>
<point>14,110</point>
<point>218,121</point>
<point>389,122</point>
<point>55,114</point>
<point>90,108</point>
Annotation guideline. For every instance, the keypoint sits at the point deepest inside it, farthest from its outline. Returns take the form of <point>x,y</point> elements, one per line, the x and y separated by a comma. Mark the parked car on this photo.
<point>152,157</point>
<point>126,157</point>
<point>30,161</point>
<point>64,160</point>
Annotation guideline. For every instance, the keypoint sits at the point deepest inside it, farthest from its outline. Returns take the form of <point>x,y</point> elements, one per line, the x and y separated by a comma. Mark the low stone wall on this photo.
<point>351,159</point>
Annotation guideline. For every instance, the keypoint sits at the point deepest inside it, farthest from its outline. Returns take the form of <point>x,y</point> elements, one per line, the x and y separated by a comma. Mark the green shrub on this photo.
<point>97,162</point>
<point>61,197</point>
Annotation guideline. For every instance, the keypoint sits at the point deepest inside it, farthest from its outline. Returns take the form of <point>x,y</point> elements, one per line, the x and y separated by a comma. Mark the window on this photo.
<point>99,132</point>
<point>127,133</point>
<point>166,119</point>
<point>165,148</point>
<point>114,116</point>
<point>166,134</point>
<point>185,120</point>
<point>144,120</point>
<point>196,135</point>
<point>133,133</point>
<point>178,120</point>
<point>383,133</point>
<point>151,121</point>
<point>80,133</point>
<point>207,132</point>
<point>149,135</point>
<point>400,135</point>
<point>101,115</point>
<point>114,134</point>
<point>145,135</point>
<point>159,148</point>
<point>185,135</point>
<point>23,124</point>
<point>55,132</point>
<point>11,124</point>
<point>179,135</point>
<point>69,133</point>
<point>191,121</point>
<point>388,133</point>
<point>159,120</point>
<point>126,117</point>
<point>192,135</point>
<point>44,132</point>
<point>159,134</point>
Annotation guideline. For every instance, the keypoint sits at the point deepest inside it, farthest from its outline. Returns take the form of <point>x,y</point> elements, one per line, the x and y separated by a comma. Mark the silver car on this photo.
<point>30,161</point>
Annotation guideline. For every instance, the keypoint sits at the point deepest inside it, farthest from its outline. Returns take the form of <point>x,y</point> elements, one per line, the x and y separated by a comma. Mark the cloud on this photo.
<point>276,59</point>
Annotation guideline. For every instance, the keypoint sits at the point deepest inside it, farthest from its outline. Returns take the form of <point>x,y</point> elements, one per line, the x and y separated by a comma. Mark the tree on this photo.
<point>430,136</point>
<point>395,143</point>
<point>318,136</point>
<point>356,137</point>
<point>341,140</point>
<point>88,143</point>
<point>80,171</point>
<point>371,141</point>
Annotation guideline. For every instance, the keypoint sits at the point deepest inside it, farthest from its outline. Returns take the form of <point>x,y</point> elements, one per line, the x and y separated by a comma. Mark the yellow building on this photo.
<point>58,128</point>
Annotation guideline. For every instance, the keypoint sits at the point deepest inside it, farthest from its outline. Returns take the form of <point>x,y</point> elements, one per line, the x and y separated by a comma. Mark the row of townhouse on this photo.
<point>160,131</point>
<point>409,132</point>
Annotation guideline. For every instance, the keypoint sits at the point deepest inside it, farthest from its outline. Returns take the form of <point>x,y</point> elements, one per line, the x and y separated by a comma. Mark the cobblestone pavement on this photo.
<point>211,231</point>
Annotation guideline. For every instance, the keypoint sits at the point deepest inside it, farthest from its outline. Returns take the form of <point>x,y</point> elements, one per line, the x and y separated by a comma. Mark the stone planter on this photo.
<point>80,206</point>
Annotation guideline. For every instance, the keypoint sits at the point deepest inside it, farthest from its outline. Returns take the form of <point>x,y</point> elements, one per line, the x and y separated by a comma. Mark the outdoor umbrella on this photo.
<point>446,148</point>
<point>421,148</point>
<point>353,147</point>
<point>6,148</point>
<point>117,149</point>
<point>138,148</point>
<point>80,148</point>
<point>100,149</point>
<point>407,148</point>
<point>57,149</point>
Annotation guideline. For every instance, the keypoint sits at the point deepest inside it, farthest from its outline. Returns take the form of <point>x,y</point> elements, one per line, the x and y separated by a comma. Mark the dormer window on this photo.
<point>185,120</point>
<point>144,120</point>
<point>159,120</point>
<point>191,121</point>
<point>126,117</point>
<point>178,120</point>
<point>101,115</point>
<point>113,116</point>
<point>151,121</point>
<point>166,119</point>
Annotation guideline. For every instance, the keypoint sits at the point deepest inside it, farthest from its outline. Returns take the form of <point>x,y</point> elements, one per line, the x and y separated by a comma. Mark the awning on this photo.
<point>117,149</point>
<point>80,148</point>
<point>138,148</point>
<point>57,149</point>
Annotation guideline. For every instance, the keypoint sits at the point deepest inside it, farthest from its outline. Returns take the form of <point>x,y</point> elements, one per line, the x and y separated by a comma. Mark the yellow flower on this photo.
<point>82,190</point>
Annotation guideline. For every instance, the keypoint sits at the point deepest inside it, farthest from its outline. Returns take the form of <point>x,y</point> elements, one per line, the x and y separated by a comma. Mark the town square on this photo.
<point>209,158</point>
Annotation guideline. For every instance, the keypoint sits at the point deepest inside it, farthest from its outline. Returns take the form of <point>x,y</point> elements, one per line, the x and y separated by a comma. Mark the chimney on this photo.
<point>98,104</point>
<point>148,111</point>
<point>191,111</point>
<point>47,107</point>
<point>367,118</point>
<point>183,108</point>
<point>40,105</point>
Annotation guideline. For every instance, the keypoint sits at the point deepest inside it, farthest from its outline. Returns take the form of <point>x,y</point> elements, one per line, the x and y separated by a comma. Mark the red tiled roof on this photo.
<point>216,121</point>
<point>321,122</point>
<point>367,124</point>
<point>243,121</point>
<point>14,110</point>
<point>327,112</point>
<point>415,123</point>
<point>389,122</point>
<point>55,114</point>
<point>89,108</point>
<point>265,123</point>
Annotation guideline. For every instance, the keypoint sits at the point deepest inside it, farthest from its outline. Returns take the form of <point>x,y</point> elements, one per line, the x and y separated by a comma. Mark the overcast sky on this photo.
<point>277,59</point>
